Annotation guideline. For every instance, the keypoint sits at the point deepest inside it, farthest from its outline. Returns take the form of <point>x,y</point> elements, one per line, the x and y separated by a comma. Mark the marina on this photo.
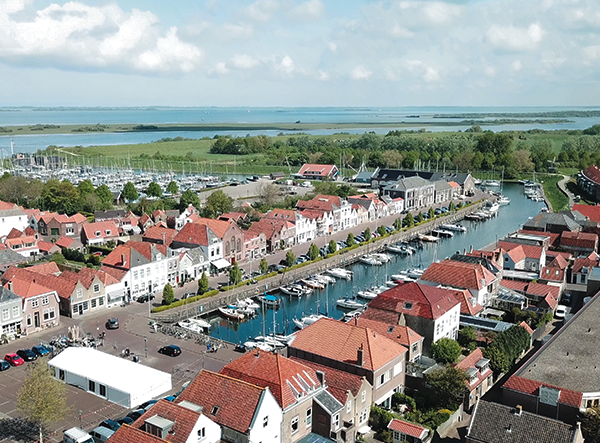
<point>371,280</point>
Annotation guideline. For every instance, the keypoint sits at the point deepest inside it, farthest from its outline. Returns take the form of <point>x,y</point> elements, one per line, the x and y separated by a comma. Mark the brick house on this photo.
<point>99,233</point>
<point>56,225</point>
<point>41,306</point>
<point>480,377</point>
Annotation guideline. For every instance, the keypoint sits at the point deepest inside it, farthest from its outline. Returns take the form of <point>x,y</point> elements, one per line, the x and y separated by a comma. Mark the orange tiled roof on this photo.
<point>341,341</point>
<point>591,212</point>
<point>459,274</point>
<point>531,251</point>
<point>284,377</point>
<point>579,239</point>
<point>400,334</point>
<point>225,400</point>
<point>185,420</point>
<point>407,428</point>
<point>128,434</point>
<point>160,232</point>
<point>26,288</point>
<point>531,387</point>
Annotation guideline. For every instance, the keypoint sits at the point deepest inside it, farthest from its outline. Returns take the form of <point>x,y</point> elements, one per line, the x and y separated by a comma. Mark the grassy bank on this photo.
<point>558,200</point>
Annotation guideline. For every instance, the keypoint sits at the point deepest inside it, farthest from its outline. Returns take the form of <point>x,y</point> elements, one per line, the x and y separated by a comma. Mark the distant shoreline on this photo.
<point>215,127</point>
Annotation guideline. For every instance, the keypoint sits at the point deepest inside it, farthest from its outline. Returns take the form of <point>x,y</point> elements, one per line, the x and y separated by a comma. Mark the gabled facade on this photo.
<point>416,192</point>
<point>298,389</point>
<point>57,225</point>
<point>579,243</point>
<point>318,172</point>
<point>356,350</point>
<point>11,313</point>
<point>40,308</point>
<point>255,244</point>
<point>99,233</point>
<point>480,377</point>
<point>194,235</point>
<point>246,413</point>
<point>408,432</point>
<point>305,228</point>
<point>11,216</point>
<point>192,263</point>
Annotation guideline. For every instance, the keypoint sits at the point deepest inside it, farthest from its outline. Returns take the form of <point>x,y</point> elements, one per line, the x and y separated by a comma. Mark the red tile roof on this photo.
<point>579,240</point>
<point>26,288</point>
<point>531,251</point>
<point>283,214</point>
<point>551,255</point>
<point>517,254</point>
<point>103,227</point>
<point>14,233</point>
<point>45,268</point>
<point>551,235</point>
<point>581,263</point>
<point>193,233</point>
<point>316,170</point>
<point>160,233</point>
<point>219,227</point>
<point>468,303</point>
<point>525,326</point>
<point>592,173</point>
<point>459,274</point>
<point>128,434</point>
<point>341,341</point>
<point>415,299</point>
<point>400,334</point>
<point>552,273</point>
<point>115,258</point>
<point>338,382</point>
<point>185,419</point>
<point>64,242</point>
<point>591,212</point>
<point>515,285</point>
<point>469,362</point>
<point>63,286</point>
<point>559,262</point>
<point>282,376</point>
<point>407,428</point>
<point>46,247</point>
<point>227,401</point>
<point>531,387</point>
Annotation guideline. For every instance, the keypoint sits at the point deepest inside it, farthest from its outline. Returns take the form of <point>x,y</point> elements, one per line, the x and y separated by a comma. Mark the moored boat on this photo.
<point>231,313</point>
<point>349,303</point>
<point>270,301</point>
<point>367,295</point>
<point>452,227</point>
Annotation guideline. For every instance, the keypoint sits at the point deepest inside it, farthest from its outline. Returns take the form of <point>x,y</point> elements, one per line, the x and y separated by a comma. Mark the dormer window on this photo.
<point>408,305</point>
<point>98,233</point>
<point>214,411</point>
<point>108,232</point>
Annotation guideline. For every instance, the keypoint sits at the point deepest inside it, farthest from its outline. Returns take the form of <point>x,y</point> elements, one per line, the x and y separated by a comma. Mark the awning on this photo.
<point>116,295</point>
<point>221,263</point>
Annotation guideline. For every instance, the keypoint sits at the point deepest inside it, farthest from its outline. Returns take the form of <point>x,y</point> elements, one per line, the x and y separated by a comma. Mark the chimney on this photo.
<point>509,428</point>
<point>359,356</point>
<point>518,410</point>
<point>10,285</point>
<point>321,377</point>
<point>122,259</point>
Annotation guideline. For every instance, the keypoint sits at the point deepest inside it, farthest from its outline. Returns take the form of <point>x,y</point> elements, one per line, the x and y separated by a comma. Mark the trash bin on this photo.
<point>136,359</point>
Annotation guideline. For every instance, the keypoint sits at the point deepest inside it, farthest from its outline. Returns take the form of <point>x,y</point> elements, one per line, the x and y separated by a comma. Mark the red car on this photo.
<point>14,359</point>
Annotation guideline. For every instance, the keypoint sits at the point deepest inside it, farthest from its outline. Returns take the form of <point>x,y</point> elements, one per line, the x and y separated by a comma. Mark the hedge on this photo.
<point>186,301</point>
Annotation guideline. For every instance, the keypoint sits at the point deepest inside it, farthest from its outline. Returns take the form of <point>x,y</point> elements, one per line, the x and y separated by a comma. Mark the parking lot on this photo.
<point>134,333</point>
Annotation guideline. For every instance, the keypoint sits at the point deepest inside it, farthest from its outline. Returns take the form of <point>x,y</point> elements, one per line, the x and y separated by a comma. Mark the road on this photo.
<point>562,185</point>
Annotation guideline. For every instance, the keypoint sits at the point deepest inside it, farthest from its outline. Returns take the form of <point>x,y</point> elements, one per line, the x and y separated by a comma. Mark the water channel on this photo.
<point>478,235</point>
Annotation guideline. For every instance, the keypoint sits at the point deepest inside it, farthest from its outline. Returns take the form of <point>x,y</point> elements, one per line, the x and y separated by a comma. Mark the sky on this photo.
<point>300,53</point>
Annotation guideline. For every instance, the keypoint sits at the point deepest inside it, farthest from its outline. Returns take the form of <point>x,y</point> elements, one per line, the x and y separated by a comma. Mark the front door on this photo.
<point>36,319</point>
<point>80,308</point>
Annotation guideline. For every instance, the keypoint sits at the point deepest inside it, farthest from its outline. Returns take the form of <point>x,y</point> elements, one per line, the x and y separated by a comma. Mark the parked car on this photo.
<point>188,295</point>
<point>170,350</point>
<point>113,425</point>
<point>566,299</point>
<point>145,298</point>
<point>561,311</point>
<point>27,354</point>
<point>4,365</point>
<point>125,421</point>
<point>101,434</point>
<point>146,405</point>
<point>359,239</point>
<point>41,350</point>
<point>112,323</point>
<point>14,359</point>
<point>170,398</point>
<point>134,415</point>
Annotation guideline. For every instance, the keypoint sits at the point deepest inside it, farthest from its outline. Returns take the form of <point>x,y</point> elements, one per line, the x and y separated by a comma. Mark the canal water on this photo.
<point>478,235</point>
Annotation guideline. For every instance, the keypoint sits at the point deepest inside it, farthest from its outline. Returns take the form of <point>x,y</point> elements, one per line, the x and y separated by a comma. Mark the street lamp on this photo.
<point>146,346</point>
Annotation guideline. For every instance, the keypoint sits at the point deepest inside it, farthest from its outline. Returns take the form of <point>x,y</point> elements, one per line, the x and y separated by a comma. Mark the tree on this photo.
<point>499,361</point>
<point>332,247</point>
<point>168,294</point>
<point>290,258</point>
<point>466,335</point>
<point>398,224</point>
<point>368,234</point>
<point>42,398</point>
<point>513,342</point>
<point>590,425</point>
<point>448,382</point>
<point>350,239</point>
<point>104,195</point>
<point>409,220</point>
<point>451,207</point>
<point>217,203</point>
<point>445,350</point>
<point>420,217</point>
<point>381,231</point>
<point>130,193</point>
<point>189,197</point>
<point>264,266</point>
<point>235,274</point>
<point>269,194</point>
<point>61,197</point>
<point>313,252</point>
<point>431,213</point>
<point>203,284</point>
<point>172,187</point>
<point>85,187</point>
<point>154,190</point>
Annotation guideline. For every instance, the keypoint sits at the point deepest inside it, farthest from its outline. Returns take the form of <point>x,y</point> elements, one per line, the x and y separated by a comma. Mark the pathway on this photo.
<point>562,185</point>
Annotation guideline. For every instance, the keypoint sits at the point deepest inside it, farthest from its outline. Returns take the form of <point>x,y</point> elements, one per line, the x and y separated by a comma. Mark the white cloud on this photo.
<point>244,62</point>
<point>322,76</point>
<point>75,35</point>
<point>262,10</point>
<point>332,47</point>
<point>510,38</point>
<point>401,32</point>
<point>516,66</point>
<point>311,9</point>
<point>440,12</point>
<point>286,66</point>
<point>489,71</point>
<point>221,68</point>
<point>232,31</point>
<point>431,75</point>
<point>360,73</point>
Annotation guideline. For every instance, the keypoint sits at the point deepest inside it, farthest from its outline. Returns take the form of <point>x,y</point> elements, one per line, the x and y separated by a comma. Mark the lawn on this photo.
<point>557,199</point>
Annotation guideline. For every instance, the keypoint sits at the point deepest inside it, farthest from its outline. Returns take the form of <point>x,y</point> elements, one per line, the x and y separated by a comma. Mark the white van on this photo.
<point>76,435</point>
<point>101,434</point>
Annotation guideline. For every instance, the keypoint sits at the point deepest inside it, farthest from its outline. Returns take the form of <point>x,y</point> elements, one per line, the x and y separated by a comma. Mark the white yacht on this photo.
<point>451,227</point>
<point>349,303</point>
<point>307,320</point>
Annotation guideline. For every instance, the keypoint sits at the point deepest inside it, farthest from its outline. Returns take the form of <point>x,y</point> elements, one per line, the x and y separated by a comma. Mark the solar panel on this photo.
<point>549,395</point>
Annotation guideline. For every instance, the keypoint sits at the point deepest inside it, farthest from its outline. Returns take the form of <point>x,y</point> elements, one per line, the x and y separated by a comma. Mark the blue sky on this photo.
<point>300,53</point>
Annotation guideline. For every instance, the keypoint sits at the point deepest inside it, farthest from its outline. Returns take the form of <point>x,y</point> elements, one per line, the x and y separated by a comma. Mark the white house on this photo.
<point>192,263</point>
<point>12,216</point>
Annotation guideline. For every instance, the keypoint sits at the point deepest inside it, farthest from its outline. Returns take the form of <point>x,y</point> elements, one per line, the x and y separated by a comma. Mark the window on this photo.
<point>101,301</point>
<point>96,288</point>
<point>215,409</point>
<point>141,273</point>
<point>98,233</point>
<point>364,415</point>
<point>384,378</point>
<point>79,292</point>
<point>349,406</point>
<point>336,421</point>
<point>93,301</point>
<point>294,425</point>
<point>308,417</point>
<point>29,322</point>
<point>102,390</point>
<point>5,314</point>
<point>265,421</point>
<point>46,300</point>
<point>15,312</point>
<point>49,314</point>
<point>91,386</point>
<point>54,231</point>
<point>135,275</point>
<point>364,396</point>
<point>201,433</point>
<point>35,303</point>
<point>108,232</point>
